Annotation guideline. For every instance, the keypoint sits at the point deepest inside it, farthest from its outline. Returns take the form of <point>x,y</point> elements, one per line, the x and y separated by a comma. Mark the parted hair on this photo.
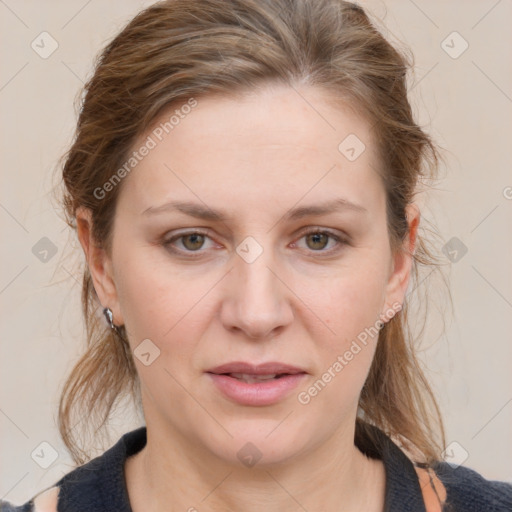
<point>180,49</point>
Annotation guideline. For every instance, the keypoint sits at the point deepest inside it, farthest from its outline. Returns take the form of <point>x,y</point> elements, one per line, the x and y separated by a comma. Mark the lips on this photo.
<point>247,377</point>
<point>256,385</point>
<point>249,372</point>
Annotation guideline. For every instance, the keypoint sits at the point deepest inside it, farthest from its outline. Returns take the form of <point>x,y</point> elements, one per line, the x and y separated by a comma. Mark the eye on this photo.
<point>317,239</point>
<point>191,242</point>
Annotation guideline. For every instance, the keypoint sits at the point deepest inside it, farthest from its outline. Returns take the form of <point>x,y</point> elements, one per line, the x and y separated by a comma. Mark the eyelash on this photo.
<point>340,240</point>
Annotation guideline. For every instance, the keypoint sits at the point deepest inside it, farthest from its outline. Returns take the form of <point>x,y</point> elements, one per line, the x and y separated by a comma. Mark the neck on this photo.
<point>173,474</point>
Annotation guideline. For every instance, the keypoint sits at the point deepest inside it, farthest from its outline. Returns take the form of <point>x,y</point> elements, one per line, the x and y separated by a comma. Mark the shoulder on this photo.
<point>45,501</point>
<point>461,488</point>
<point>468,490</point>
<point>96,486</point>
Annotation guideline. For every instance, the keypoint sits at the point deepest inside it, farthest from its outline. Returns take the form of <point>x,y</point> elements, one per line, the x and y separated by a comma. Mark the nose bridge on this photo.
<point>253,266</point>
<point>258,298</point>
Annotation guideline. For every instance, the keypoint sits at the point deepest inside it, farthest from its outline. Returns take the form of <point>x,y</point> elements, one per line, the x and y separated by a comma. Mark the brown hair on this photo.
<point>178,49</point>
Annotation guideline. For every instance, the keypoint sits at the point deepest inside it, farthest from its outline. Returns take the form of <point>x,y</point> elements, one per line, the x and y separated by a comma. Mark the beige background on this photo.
<point>465,102</point>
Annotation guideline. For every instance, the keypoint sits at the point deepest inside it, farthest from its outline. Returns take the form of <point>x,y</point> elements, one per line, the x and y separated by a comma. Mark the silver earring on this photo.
<point>110,319</point>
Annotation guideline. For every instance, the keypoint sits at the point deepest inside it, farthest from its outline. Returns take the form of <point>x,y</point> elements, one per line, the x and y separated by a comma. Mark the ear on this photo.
<point>99,263</point>
<point>401,265</point>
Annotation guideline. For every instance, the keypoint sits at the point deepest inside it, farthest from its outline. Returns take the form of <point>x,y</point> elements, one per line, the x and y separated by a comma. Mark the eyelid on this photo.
<point>341,235</point>
<point>167,240</point>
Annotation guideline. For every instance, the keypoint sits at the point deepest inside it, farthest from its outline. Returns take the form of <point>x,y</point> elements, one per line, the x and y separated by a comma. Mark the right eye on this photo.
<point>191,242</point>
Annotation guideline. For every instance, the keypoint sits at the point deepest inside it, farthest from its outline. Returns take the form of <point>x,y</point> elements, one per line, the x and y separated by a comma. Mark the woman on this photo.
<point>242,183</point>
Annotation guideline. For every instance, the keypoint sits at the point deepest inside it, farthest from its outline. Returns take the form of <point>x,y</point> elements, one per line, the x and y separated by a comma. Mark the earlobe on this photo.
<point>99,264</point>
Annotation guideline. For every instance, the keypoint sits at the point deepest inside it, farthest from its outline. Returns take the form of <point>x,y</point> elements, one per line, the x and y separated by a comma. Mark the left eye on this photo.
<point>317,240</point>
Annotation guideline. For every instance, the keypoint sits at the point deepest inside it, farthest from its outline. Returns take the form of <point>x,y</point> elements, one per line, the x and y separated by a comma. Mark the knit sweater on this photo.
<point>100,486</point>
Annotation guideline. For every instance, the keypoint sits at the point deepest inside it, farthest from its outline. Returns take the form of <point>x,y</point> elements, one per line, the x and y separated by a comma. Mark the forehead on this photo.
<point>275,145</point>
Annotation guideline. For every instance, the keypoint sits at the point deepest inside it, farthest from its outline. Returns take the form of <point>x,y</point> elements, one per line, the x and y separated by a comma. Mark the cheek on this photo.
<point>151,296</point>
<point>164,304</point>
<point>352,300</point>
<point>352,311</point>
<point>351,306</point>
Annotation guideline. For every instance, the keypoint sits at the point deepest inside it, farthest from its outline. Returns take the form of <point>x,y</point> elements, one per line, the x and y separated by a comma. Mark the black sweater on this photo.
<point>99,485</point>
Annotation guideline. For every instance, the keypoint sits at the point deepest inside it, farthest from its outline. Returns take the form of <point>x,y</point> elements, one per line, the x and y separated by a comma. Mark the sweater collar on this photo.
<point>100,485</point>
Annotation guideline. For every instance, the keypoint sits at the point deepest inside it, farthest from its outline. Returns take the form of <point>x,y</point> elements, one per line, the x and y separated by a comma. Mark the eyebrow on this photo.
<point>201,211</point>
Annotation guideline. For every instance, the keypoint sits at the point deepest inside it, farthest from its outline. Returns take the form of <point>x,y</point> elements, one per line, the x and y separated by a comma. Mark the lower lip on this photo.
<point>258,393</point>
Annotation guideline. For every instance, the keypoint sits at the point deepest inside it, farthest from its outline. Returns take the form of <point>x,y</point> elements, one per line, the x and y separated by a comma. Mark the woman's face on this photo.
<point>242,277</point>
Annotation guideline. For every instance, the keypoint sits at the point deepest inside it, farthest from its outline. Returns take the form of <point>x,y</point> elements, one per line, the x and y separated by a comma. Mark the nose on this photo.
<point>257,300</point>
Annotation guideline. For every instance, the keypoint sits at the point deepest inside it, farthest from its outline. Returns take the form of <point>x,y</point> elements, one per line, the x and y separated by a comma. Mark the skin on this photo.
<point>256,156</point>
<point>46,501</point>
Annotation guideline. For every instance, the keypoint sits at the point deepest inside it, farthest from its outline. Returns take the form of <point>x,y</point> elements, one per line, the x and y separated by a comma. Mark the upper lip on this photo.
<point>260,369</point>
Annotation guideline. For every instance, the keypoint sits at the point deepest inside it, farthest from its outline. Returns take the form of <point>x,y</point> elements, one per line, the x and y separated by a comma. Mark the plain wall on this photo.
<point>464,102</point>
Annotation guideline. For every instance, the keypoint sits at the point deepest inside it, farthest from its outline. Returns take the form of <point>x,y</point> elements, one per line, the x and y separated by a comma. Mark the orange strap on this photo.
<point>434,492</point>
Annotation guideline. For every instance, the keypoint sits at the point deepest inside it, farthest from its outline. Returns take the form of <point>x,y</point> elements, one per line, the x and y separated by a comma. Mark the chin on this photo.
<point>262,443</point>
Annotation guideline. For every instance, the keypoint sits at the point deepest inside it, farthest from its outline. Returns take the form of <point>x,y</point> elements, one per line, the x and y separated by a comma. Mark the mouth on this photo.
<point>241,369</point>
<point>251,378</point>
<point>261,385</point>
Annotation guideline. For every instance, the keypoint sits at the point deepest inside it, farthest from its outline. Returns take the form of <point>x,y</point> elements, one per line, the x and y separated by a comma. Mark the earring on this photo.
<point>110,319</point>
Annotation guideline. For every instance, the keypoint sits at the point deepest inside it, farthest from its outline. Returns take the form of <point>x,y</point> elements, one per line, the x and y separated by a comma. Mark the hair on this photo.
<point>181,49</point>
